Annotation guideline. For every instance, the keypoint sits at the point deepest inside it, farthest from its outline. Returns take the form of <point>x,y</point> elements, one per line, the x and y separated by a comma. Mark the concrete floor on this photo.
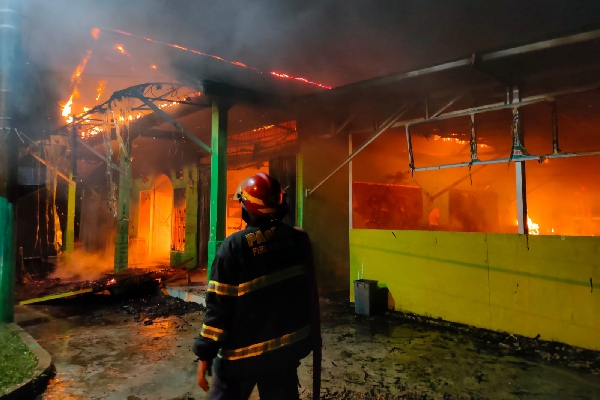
<point>101,352</point>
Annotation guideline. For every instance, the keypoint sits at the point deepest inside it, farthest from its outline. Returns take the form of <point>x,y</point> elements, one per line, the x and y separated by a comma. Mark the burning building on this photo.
<point>467,188</point>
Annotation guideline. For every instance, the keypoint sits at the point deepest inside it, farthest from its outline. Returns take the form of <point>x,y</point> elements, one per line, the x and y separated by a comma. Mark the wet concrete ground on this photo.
<point>107,350</point>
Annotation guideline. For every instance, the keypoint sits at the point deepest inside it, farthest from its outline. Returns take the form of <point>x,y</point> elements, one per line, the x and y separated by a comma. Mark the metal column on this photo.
<point>350,180</point>
<point>71,196</point>
<point>218,180</point>
<point>517,152</point>
<point>9,79</point>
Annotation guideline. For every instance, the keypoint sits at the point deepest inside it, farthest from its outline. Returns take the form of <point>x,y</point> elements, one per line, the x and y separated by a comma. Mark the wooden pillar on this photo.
<point>122,239</point>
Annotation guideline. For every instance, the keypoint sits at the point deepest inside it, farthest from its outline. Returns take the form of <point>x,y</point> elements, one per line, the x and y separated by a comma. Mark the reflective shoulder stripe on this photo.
<point>264,347</point>
<point>258,283</point>
<point>213,333</point>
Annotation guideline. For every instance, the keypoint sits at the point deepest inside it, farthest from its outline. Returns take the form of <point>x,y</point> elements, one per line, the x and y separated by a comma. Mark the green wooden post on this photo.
<point>299,189</point>
<point>10,77</point>
<point>71,195</point>
<point>191,216</point>
<point>122,240</point>
<point>218,180</point>
<point>7,260</point>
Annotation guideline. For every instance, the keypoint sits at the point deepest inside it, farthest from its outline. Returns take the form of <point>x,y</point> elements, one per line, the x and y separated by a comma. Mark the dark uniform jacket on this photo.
<point>258,302</point>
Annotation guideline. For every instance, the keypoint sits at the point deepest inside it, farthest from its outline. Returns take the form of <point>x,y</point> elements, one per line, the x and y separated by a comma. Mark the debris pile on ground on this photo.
<point>16,361</point>
<point>147,309</point>
<point>116,283</point>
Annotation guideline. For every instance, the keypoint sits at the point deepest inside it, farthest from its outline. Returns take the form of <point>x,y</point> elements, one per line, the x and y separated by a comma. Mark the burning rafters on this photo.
<point>167,93</point>
<point>236,63</point>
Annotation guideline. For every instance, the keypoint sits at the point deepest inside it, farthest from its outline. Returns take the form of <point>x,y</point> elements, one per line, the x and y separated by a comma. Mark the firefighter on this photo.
<point>262,313</point>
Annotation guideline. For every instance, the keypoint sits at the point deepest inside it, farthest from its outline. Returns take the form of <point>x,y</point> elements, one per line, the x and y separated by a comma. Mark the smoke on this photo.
<point>82,266</point>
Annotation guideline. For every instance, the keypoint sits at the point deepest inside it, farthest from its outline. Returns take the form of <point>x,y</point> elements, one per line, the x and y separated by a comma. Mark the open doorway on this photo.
<point>156,211</point>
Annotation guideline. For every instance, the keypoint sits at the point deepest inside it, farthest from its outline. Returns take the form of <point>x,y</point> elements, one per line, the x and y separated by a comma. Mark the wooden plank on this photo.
<point>55,296</point>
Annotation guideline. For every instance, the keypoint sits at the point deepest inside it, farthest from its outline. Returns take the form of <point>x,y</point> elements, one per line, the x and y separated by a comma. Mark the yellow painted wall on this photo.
<point>527,286</point>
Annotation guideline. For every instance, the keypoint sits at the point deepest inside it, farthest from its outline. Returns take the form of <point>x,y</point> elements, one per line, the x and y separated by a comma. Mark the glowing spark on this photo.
<point>95,33</point>
<point>121,49</point>
<point>100,90</point>
<point>111,282</point>
<point>236,63</point>
<point>153,66</point>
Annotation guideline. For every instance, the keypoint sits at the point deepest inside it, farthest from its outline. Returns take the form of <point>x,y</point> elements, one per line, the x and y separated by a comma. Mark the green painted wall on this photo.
<point>490,281</point>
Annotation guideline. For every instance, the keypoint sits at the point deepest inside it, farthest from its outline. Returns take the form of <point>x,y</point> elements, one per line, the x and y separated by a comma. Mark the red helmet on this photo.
<point>260,194</point>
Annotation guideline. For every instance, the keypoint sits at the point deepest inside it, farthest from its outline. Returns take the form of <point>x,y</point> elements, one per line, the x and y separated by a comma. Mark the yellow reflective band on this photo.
<point>211,332</point>
<point>255,284</point>
<point>222,288</point>
<point>267,210</point>
<point>253,199</point>
<point>264,347</point>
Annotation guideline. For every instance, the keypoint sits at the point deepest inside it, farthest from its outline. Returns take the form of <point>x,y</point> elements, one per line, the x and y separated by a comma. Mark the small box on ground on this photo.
<point>365,296</point>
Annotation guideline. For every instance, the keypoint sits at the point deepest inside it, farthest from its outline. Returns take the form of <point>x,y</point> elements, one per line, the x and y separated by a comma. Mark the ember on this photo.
<point>236,63</point>
<point>121,49</point>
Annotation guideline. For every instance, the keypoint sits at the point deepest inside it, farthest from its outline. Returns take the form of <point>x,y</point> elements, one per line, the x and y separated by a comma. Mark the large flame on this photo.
<point>236,63</point>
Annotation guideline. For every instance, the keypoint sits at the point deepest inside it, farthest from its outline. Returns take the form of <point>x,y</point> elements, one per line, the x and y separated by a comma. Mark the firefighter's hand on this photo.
<point>203,368</point>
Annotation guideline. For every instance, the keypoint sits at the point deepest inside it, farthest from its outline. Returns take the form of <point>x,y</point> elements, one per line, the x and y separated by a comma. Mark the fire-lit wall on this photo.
<point>325,213</point>
<point>546,285</point>
<point>187,179</point>
<point>462,260</point>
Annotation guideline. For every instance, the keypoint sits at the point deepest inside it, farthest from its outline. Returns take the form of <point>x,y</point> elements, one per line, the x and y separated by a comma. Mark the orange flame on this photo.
<point>100,90</point>
<point>95,33</point>
<point>153,66</point>
<point>236,63</point>
<point>534,229</point>
<point>456,140</point>
<point>76,77</point>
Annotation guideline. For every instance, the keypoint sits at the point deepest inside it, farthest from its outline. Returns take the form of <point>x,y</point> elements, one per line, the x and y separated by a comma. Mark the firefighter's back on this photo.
<point>271,323</point>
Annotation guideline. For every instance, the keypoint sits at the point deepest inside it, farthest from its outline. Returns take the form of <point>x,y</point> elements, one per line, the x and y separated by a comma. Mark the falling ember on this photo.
<point>95,33</point>
<point>100,90</point>
<point>236,63</point>
<point>153,66</point>
<point>121,49</point>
